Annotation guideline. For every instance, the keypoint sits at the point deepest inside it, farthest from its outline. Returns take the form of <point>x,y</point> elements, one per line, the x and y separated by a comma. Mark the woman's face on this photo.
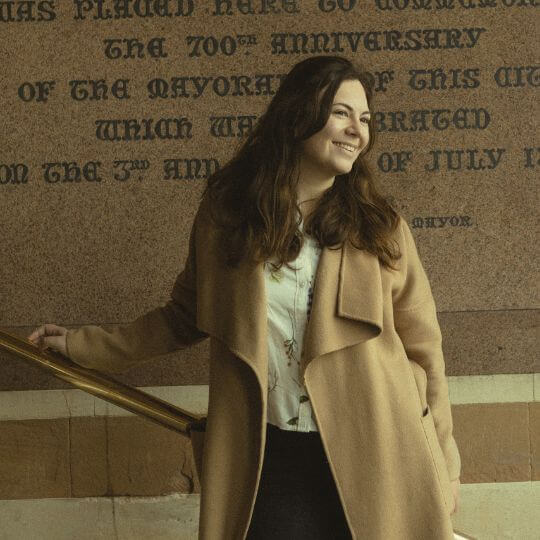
<point>321,157</point>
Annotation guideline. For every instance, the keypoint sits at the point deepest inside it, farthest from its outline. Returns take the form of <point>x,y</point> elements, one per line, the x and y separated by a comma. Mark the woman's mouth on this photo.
<point>346,147</point>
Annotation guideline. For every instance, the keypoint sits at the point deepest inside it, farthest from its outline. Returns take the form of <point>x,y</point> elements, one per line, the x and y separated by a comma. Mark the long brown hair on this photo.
<point>253,196</point>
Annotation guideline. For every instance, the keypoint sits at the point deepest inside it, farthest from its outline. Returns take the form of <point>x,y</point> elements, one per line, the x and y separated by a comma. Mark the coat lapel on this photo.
<point>347,306</point>
<point>231,306</point>
<point>347,302</point>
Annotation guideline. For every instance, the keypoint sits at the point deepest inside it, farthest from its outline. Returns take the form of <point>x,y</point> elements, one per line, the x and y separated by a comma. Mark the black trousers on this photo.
<point>297,497</point>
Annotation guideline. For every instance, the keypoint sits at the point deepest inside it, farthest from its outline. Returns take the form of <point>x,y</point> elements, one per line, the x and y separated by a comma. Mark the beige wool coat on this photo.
<point>373,368</point>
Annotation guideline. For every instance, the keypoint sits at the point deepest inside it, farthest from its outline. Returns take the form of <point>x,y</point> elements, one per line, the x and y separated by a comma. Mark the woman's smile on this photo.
<point>346,147</point>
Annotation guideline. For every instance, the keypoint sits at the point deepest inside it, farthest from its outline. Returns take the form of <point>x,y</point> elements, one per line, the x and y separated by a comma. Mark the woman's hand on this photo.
<point>455,490</point>
<point>50,336</point>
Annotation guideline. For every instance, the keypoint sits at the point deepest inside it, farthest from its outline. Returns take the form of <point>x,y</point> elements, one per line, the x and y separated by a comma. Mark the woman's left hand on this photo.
<point>455,490</point>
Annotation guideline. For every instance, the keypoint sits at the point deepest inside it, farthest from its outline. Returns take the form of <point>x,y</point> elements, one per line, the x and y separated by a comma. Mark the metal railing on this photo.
<point>104,386</point>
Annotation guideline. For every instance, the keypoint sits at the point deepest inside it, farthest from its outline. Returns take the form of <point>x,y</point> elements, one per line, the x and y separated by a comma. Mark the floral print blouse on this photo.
<point>289,295</point>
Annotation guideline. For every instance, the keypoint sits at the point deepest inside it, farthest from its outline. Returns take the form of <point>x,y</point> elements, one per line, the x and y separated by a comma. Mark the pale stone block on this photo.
<point>499,511</point>
<point>172,517</point>
<point>57,519</point>
<point>192,398</point>
<point>44,404</point>
<point>82,403</point>
<point>491,388</point>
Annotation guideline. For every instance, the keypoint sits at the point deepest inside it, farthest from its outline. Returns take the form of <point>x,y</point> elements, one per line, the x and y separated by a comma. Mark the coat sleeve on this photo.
<point>161,330</point>
<point>416,323</point>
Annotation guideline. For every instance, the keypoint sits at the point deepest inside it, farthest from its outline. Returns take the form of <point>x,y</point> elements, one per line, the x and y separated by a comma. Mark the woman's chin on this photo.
<point>343,170</point>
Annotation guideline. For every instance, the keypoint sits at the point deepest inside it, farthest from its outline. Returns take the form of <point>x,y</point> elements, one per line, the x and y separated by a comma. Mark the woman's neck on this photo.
<point>307,206</point>
<point>307,195</point>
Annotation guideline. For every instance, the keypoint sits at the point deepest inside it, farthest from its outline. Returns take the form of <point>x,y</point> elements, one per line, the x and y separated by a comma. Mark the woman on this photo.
<point>328,412</point>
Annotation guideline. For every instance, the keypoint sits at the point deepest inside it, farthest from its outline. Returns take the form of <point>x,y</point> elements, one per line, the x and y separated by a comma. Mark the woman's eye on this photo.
<point>365,119</point>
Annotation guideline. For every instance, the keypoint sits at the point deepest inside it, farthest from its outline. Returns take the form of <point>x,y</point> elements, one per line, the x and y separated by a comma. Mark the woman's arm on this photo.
<point>416,323</point>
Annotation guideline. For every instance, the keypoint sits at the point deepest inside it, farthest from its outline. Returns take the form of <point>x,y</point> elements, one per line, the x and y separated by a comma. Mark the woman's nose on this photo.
<point>355,125</point>
<point>355,129</point>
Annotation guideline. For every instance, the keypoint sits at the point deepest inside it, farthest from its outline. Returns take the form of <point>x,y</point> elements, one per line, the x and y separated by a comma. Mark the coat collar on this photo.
<point>347,306</point>
<point>347,302</point>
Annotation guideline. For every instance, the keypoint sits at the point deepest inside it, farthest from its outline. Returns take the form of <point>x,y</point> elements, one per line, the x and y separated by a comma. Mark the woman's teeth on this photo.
<point>345,147</point>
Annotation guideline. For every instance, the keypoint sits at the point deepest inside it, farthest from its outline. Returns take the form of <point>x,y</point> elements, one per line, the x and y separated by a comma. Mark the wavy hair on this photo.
<point>253,196</point>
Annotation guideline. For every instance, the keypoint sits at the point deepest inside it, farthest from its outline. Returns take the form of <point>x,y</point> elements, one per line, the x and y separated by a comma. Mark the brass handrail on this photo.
<point>104,386</point>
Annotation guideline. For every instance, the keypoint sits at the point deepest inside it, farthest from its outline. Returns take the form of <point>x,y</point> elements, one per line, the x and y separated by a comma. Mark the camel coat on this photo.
<point>373,368</point>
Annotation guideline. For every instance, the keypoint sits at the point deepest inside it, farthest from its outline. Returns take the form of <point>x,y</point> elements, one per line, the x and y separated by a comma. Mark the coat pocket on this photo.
<point>420,378</point>
<point>438,458</point>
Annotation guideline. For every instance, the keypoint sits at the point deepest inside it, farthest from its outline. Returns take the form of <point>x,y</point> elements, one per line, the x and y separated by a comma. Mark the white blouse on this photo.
<point>289,295</point>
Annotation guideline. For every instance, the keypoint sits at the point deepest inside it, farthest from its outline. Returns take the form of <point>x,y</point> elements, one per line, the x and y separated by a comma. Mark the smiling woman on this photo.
<point>315,426</point>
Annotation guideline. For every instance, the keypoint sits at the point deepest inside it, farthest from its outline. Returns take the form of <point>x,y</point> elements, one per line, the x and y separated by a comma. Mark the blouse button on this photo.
<point>302,284</point>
